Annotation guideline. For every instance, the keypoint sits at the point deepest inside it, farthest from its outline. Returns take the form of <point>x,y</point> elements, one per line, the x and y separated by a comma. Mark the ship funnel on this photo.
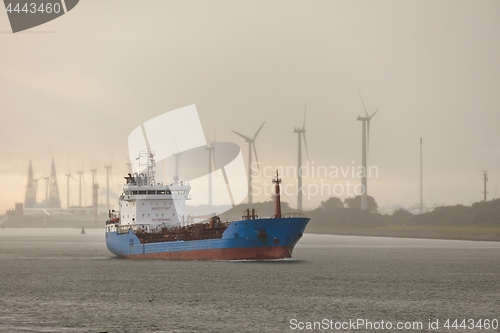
<point>277,181</point>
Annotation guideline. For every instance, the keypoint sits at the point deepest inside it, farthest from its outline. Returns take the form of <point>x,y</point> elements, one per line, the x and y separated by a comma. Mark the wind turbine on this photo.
<point>95,188</point>
<point>128,164</point>
<point>68,176</point>
<point>301,132</point>
<point>211,167</point>
<point>210,147</point>
<point>46,188</point>
<point>80,174</point>
<point>365,143</point>
<point>251,142</point>
<point>94,172</point>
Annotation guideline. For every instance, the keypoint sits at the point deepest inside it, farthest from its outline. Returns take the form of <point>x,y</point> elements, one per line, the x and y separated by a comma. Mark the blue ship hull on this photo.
<point>258,239</point>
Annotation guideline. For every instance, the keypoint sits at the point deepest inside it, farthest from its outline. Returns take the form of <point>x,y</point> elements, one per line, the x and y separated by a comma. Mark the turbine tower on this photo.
<point>68,176</point>
<point>485,178</point>
<point>365,144</point>
<point>46,189</point>
<point>301,132</point>
<point>421,181</point>
<point>210,147</point>
<point>251,142</point>
<point>80,174</point>
<point>95,188</point>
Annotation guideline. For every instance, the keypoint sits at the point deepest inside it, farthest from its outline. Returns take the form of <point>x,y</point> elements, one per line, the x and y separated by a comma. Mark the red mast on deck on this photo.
<point>277,181</point>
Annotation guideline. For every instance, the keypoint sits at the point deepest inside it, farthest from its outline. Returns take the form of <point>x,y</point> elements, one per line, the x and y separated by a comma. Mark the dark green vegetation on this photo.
<point>332,212</point>
<point>481,221</point>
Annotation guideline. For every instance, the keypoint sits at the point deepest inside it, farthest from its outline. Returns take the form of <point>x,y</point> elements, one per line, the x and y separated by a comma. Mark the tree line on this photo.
<point>348,213</point>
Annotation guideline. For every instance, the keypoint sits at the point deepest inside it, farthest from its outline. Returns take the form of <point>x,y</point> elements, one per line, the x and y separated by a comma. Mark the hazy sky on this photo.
<point>74,88</point>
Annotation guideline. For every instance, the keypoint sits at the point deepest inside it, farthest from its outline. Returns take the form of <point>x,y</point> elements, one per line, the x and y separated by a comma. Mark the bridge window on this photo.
<point>151,192</point>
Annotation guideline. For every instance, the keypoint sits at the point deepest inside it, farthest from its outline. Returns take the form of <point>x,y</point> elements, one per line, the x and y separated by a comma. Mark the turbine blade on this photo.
<point>368,134</point>
<point>257,133</point>
<point>215,135</point>
<point>305,144</point>
<point>373,114</point>
<point>229,192</point>
<point>244,137</point>
<point>255,151</point>
<point>363,102</point>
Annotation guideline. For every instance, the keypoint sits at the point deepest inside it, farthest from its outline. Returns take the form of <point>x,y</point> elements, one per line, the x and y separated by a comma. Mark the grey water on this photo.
<point>57,280</point>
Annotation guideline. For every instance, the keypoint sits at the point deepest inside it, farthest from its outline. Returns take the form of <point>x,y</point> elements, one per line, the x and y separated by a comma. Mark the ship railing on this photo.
<point>293,215</point>
<point>123,229</point>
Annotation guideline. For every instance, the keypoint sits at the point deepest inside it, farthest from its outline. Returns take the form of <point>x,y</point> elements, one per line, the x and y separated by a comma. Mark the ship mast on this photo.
<point>150,164</point>
<point>277,181</point>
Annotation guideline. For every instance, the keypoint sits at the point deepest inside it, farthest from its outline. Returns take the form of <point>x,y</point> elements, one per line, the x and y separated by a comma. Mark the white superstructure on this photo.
<point>149,204</point>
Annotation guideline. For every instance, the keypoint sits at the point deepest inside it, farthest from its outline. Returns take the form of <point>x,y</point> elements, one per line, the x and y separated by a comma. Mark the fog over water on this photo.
<point>60,281</point>
<point>75,87</point>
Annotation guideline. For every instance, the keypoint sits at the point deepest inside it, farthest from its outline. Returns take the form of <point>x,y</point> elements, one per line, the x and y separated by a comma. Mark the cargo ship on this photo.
<point>151,224</point>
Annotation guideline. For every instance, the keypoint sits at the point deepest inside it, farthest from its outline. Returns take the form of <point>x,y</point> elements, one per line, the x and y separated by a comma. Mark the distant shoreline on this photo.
<point>491,234</point>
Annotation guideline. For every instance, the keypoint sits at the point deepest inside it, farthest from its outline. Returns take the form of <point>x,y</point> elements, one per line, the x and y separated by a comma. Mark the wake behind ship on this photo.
<point>151,224</point>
